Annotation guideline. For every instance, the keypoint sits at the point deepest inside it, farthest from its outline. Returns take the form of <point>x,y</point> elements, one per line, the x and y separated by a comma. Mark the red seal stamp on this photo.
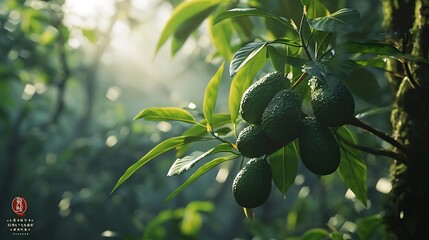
<point>19,206</point>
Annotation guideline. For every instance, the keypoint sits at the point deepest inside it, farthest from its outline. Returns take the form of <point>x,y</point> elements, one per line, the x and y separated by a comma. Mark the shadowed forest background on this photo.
<point>73,74</point>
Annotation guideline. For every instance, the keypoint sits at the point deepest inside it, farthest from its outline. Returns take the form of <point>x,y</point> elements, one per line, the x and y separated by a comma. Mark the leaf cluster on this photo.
<point>308,48</point>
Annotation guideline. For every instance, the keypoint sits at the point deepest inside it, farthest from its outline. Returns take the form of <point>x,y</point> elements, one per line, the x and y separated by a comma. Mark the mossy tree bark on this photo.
<point>407,210</point>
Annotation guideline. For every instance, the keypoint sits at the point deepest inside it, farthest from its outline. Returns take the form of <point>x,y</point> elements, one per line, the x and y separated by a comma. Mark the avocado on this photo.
<point>318,148</point>
<point>282,117</point>
<point>256,98</point>
<point>331,101</point>
<point>253,142</point>
<point>252,185</point>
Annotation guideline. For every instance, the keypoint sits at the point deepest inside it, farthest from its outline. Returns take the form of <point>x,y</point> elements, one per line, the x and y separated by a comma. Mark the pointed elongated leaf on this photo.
<point>156,151</point>
<point>242,56</point>
<point>315,9</point>
<point>364,84</point>
<point>338,67</point>
<point>287,41</point>
<point>165,114</point>
<point>383,49</point>
<point>220,35</point>
<point>367,48</point>
<point>182,33</point>
<point>181,14</point>
<point>343,20</point>
<point>182,165</point>
<point>366,226</point>
<point>210,96</point>
<point>277,55</point>
<point>352,169</point>
<point>315,234</point>
<point>197,174</point>
<point>243,79</point>
<point>284,164</point>
<point>200,130</point>
<point>239,12</point>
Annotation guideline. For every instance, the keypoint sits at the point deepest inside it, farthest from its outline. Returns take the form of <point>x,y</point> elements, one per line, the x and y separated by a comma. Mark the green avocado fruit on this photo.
<point>318,148</point>
<point>256,98</point>
<point>282,117</point>
<point>331,101</point>
<point>253,142</point>
<point>252,185</point>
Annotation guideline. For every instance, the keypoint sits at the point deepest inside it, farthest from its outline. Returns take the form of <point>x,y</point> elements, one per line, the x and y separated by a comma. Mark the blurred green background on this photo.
<point>73,74</point>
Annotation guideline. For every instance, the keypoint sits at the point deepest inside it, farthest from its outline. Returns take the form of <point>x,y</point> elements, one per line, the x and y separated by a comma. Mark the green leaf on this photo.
<point>338,67</point>
<point>321,41</point>
<point>185,29</point>
<point>287,41</point>
<point>210,97</point>
<point>277,55</point>
<point>165,114</point>
<point>364,84</point>
<point>338,236</point>
<point>315,9</point>
<point>183,12</point>
<point>341,67</point>
<point>243,79</point>
<point>197,174</point>
<point>182,165</point>
<point>239,12</point>
<point>281,52</point>
<point>368,225</point>
<point>220,35</point>
<point>284,164</point>
<point>199,129</point>
<point>352,169</point>
<point>242,56</point>
<point>156,151</point>
<point>367,48</point>
<point>376,48</point>
<point>378,62</point>
<point>343,20</point>
<point>315,234</point>
<point>90,34</point>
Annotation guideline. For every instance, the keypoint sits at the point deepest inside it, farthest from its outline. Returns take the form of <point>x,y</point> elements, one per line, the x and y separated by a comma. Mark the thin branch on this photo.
<point>320,46</point>
<point>300,79</point>
<point>411,79</point>
<point>302,37</point>
<point>358,123</point>
<point>380,151</point>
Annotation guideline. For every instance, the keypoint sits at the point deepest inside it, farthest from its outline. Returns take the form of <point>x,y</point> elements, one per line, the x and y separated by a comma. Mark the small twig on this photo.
<point>300,79</point>
<point>412,81</point>
<point>381,151</point>
<point>302,37</point>
<point>320,45</point>
<point>216,136</point>
<point>358,123</point>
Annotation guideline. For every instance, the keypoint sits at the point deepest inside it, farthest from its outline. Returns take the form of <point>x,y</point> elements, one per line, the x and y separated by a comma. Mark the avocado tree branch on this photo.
<point>395,155</point>
<point>358,123</point>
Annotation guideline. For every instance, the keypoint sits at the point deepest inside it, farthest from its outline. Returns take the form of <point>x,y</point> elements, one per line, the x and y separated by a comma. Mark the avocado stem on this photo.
<point>358,123</point>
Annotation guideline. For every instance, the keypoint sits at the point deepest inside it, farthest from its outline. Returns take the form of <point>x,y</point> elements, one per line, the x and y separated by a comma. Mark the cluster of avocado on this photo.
<point>273,111</point>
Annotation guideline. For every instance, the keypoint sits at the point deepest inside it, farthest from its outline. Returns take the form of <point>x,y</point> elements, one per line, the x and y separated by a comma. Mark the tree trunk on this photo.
<point>407,210</point>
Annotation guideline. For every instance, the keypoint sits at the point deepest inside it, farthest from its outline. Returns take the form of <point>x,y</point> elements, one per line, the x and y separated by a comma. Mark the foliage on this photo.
<point>315,47</point>
<point>55,134</point>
